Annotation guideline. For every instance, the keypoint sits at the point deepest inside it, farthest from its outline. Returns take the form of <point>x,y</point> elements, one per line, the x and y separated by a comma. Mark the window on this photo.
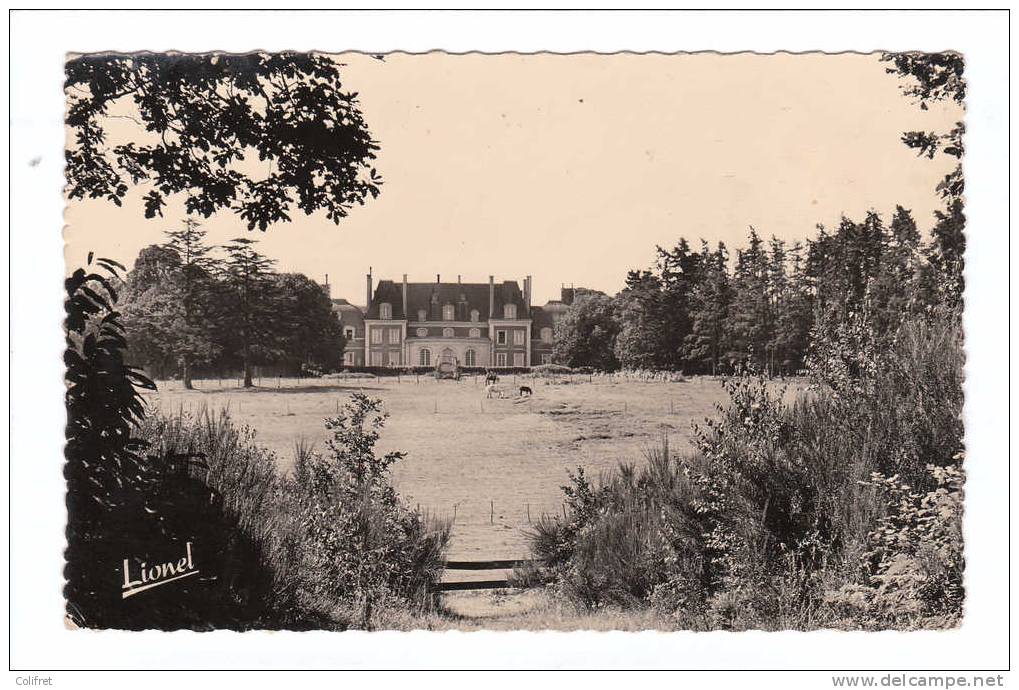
<point>348,358</point>
<point>546,358</point>
<point>509,311</point>
<point>546,335</point>
<point>376,359</point>
<point>394,336</point>
<point>425,357</point>
<point>500,359</point>
<point>422,332</point>
<point>519,337</point>
<point>348,333</point>
<point>500,337</point>
<point>474,315</point>
<point>448,313</point>
<point>447,332</point>
<point>469,358</point>
<point>518,359</point>
<point>394,359</point>
<point>376,335</point>
<point>475,332</point>
<point>385,310</point>
<point>422,315</point>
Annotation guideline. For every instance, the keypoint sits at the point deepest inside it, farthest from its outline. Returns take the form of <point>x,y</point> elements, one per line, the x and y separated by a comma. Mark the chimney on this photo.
<point>437,278</point>
<point>368,298</point>
<point>457,278</point>
<point>567,295</point>
<point>491,296</point>
<point>406,307</point>
<point>527,294</point>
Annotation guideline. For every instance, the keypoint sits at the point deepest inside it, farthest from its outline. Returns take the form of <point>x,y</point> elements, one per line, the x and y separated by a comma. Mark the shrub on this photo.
<point>633,541</point>
<point>365,545</point>
<point>915,573</point>
<point>256,550</point>
<point>778,520</point>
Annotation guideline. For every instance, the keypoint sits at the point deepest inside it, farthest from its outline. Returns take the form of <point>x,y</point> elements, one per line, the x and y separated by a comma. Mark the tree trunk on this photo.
<point>186,375</point>
<point>247,369</point>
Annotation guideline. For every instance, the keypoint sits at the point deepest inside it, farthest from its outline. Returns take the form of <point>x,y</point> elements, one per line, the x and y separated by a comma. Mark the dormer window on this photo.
<point>474,315</point>
<point>448,313</point>
<point>385,310</point>
<point>509,311</point>
<point>422,315</point>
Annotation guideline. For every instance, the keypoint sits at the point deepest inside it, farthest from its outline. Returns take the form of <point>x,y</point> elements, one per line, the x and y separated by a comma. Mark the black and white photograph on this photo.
<point>582,341</point>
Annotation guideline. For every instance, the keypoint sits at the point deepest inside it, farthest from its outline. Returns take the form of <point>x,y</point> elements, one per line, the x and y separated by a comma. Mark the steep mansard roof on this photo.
<point>349,314</point>
<point>432,296</point>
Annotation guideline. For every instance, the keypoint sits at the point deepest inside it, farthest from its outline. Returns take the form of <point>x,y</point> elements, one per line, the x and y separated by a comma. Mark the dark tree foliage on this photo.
<point>248,309</point>
<point>167,304</point>
<point>195,287</point>
<point>126,503</point>
<point>309,335</point>
<point>207,122</point>
<point>766,304</point>
<point>710,301</point>
<point>586,334</point>
<point>931,78</point>
<point>645,337</point>
<point>936,76</point>
<point>103,402</point>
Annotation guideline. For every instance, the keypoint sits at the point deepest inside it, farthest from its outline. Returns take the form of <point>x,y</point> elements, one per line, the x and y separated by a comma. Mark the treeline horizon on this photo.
<point>705,310</point>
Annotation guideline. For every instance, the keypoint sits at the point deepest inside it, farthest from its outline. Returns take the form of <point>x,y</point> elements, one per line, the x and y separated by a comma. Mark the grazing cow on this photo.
<point>526,390</point>
<point>491,379</point>
<point>491,389</point>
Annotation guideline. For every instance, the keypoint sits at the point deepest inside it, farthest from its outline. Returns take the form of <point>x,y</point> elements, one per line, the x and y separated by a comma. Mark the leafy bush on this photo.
<point>328,546</point>
<point>258,558</point>
<point>367,548</point>
<point>633,541</point>
<point>776,522</point>
<point>915,574</point>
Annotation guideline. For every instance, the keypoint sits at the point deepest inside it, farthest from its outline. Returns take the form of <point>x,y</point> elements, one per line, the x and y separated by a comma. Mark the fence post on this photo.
<point>491,517</point>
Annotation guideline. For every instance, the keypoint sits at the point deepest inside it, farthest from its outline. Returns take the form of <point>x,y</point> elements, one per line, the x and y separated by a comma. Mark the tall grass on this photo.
<point>782,517</point>
<point>263,506</point>
<point>295,526</point>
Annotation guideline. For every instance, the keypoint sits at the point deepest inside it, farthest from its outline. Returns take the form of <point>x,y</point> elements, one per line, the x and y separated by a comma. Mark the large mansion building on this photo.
<point>488,325</point>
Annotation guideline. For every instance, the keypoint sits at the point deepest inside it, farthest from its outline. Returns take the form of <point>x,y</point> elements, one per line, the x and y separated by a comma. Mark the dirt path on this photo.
<point>535,610</point>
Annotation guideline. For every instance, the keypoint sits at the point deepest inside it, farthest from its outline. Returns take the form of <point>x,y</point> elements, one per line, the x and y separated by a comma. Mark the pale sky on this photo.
<point>572,168</point>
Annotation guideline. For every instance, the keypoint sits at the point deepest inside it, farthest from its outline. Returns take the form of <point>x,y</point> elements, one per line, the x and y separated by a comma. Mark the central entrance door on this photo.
<point>448,356</point>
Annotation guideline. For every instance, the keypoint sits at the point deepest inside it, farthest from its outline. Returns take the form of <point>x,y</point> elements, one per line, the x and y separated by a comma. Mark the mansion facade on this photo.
<point>489,325</point>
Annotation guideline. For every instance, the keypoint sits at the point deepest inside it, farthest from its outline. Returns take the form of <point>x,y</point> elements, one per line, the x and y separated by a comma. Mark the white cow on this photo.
<point>492,389</point>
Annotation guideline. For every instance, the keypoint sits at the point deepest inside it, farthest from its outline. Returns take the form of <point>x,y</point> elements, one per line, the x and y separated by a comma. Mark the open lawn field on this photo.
<point>495,465</point>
